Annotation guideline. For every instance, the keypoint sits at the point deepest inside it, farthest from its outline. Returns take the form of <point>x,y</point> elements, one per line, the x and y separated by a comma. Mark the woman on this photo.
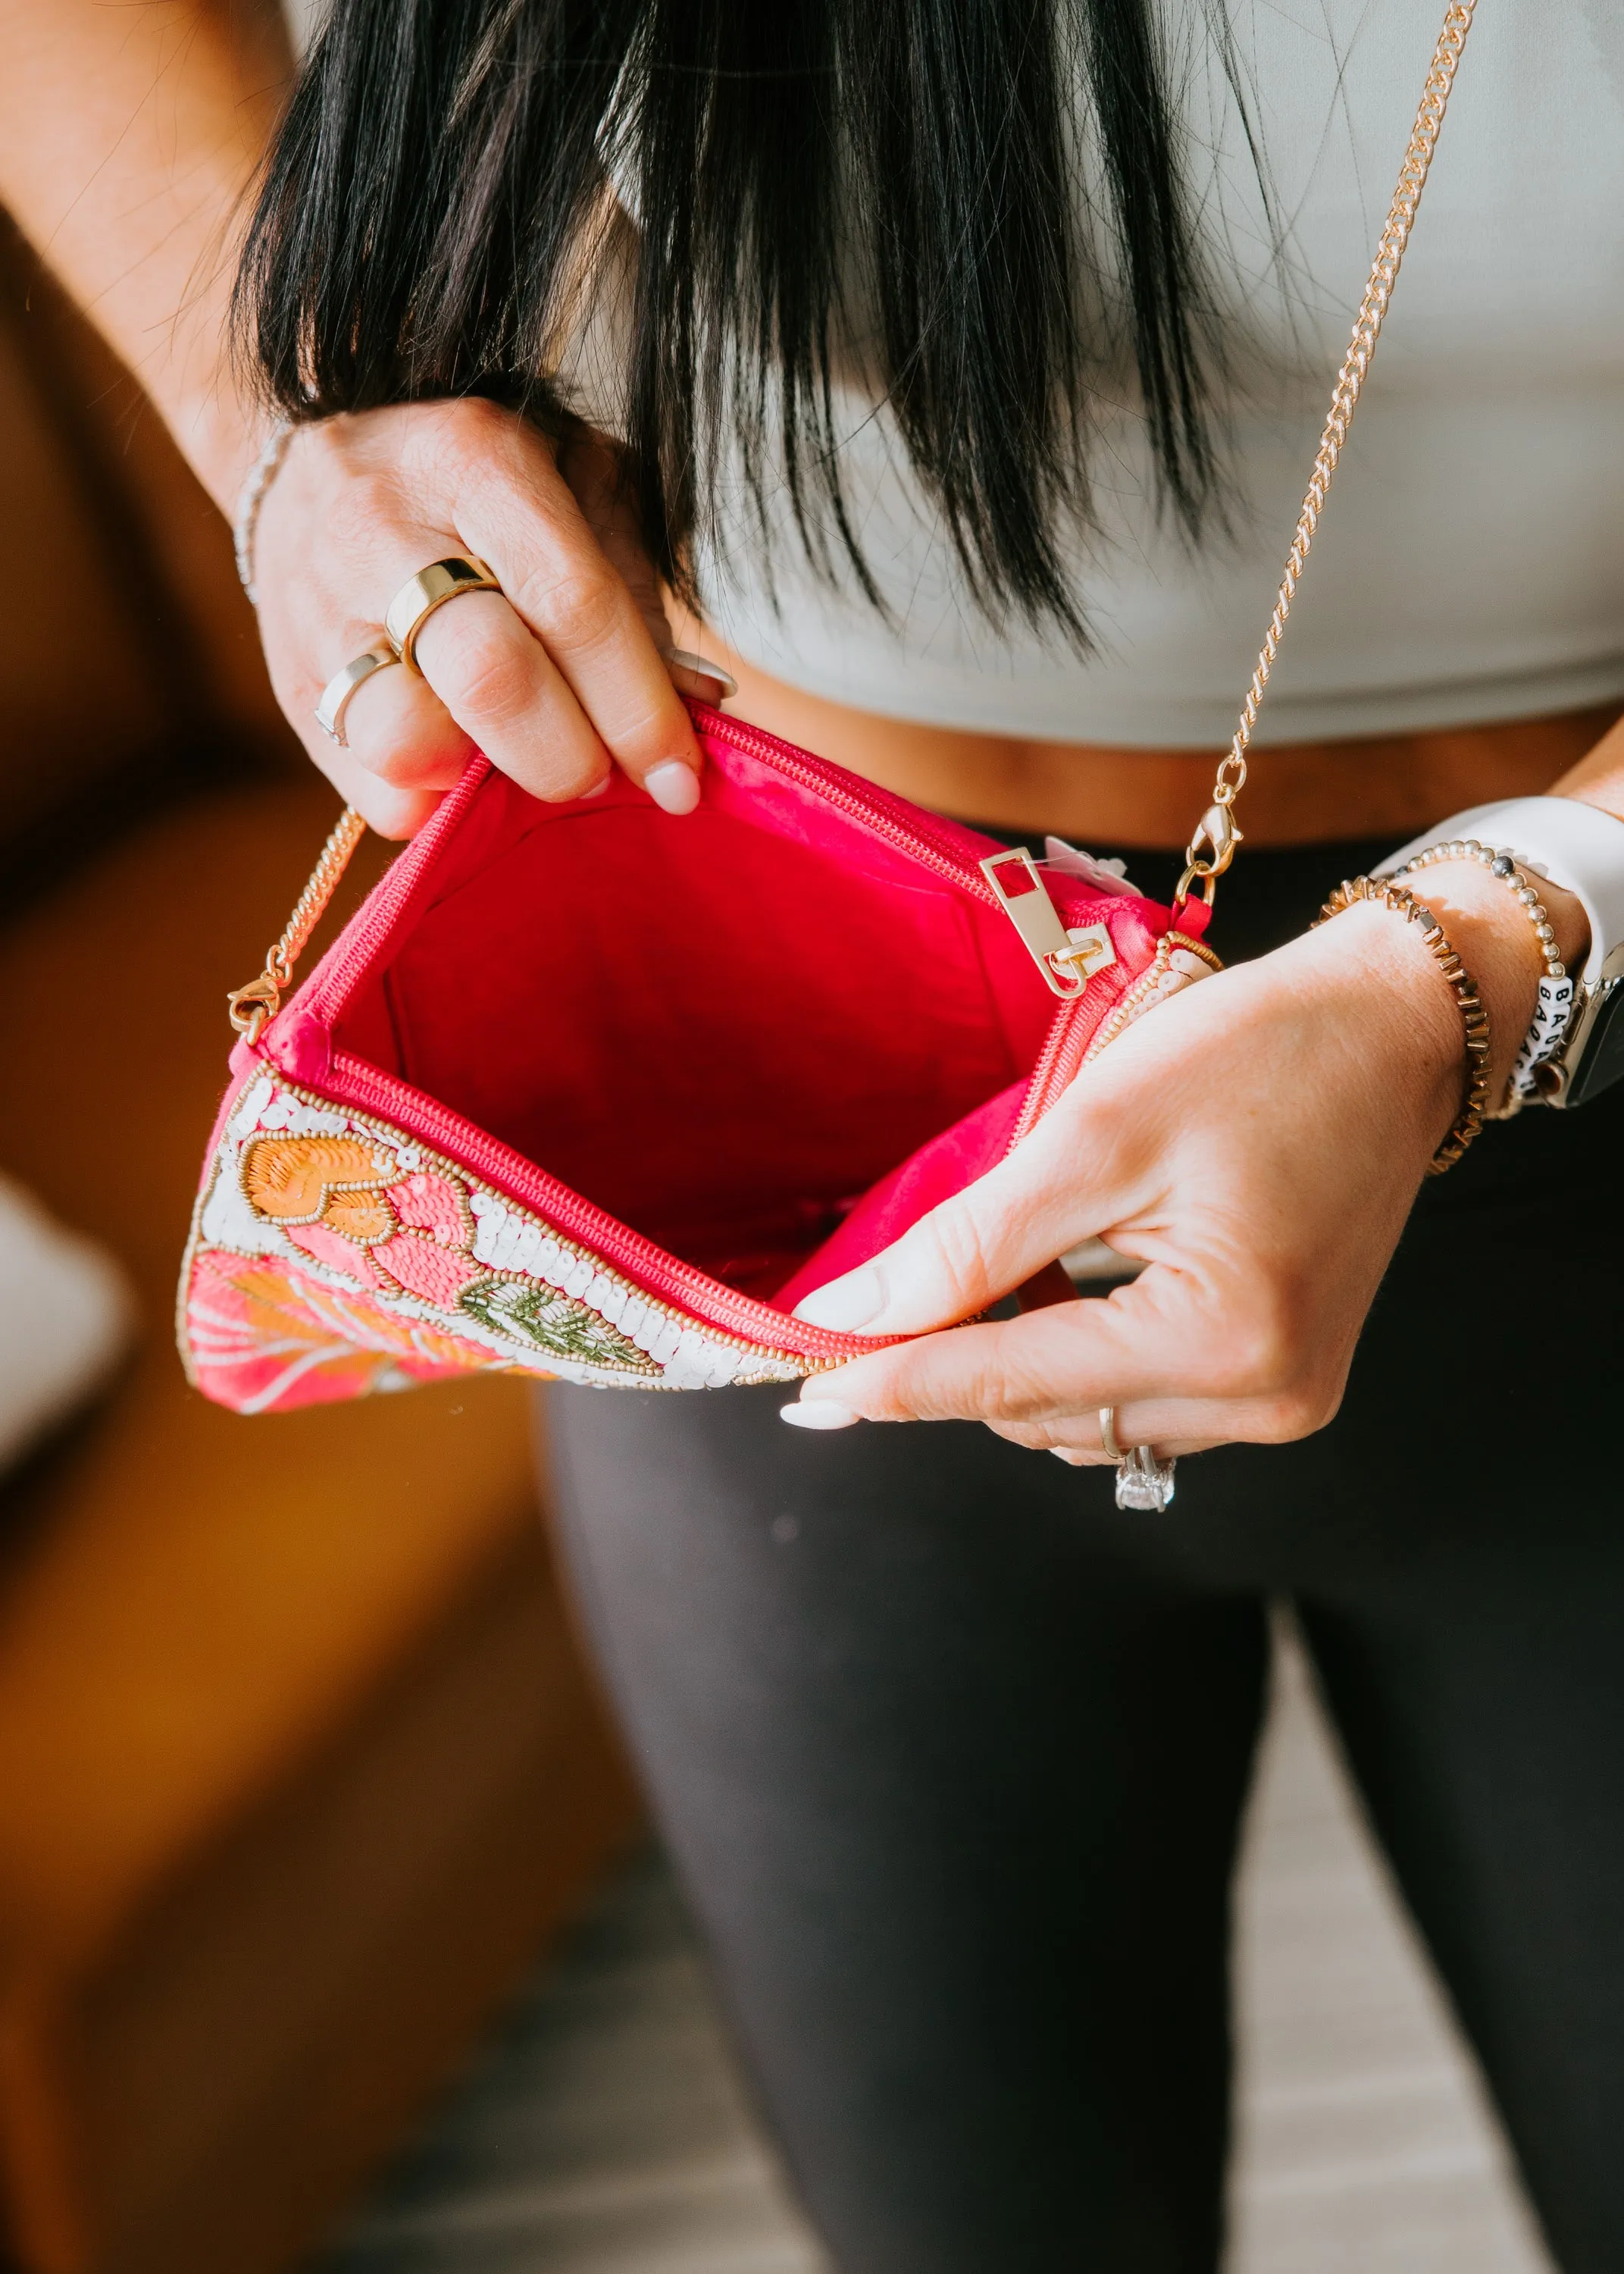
<point>962,364</point>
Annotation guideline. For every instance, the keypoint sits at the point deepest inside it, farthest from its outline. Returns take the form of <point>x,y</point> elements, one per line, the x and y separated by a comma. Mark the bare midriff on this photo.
<point>1296,794</point>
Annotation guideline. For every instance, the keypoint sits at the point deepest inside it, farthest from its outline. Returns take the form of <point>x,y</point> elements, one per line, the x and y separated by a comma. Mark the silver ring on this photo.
<point>1143,1482</point>
<point>336,694</point>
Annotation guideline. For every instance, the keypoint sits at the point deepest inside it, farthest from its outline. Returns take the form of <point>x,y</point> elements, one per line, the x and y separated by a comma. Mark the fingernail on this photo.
<point>674,786</point>
<point>700,667</point>
<point>846,1303</point>
<point>818,1413</point>
<point>598,788</point>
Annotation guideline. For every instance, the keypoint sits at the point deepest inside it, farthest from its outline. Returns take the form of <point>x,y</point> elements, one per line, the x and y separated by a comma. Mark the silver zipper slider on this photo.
<point>1068,960</point>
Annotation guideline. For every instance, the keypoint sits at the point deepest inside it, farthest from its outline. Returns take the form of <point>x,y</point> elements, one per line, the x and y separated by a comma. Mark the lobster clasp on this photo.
<point>1208,853</point>
<point>250,1006</point>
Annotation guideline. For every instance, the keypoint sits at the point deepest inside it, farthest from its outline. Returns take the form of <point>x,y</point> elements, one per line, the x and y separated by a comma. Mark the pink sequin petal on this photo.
<point>331,1247</point>
<point>426,1269</point>
<point>432,1204</point>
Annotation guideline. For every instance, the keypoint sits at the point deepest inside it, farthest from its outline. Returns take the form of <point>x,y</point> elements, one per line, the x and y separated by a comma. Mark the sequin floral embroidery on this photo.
<point>332,1255</point>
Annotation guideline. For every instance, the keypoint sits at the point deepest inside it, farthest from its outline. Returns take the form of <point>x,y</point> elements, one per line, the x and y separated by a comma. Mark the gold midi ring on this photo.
<point>430,589</point>
<point>336,694</point>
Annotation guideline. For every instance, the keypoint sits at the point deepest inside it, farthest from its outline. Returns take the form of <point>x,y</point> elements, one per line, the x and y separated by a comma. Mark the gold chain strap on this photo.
<point>252,1005</point>
<point>1212,848</point>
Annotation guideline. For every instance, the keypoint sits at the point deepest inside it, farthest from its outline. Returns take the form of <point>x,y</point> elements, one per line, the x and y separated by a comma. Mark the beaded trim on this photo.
<point>1553,1007</point>
<point>332,1254</point>
<point>1474,1017</point>
<point>1163,976</point>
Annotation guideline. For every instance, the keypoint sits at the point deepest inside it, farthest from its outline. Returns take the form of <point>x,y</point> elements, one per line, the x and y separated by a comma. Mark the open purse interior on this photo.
<point>726,1029</point>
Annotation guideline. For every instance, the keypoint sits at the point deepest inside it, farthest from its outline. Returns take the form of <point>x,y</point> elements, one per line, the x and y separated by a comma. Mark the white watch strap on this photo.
<point>1578,846</point>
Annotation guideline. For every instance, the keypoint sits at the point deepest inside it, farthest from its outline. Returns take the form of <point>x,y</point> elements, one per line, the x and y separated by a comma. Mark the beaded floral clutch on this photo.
<point>585,1090</point>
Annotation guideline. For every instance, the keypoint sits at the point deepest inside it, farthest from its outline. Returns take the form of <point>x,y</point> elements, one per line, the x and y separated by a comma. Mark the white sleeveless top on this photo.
<point>1471,564</point>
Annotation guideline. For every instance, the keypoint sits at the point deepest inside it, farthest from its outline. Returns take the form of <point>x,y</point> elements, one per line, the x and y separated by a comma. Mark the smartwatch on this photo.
<point>1581,848</point>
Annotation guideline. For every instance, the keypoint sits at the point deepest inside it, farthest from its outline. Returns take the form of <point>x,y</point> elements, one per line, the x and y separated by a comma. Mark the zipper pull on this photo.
<point>1068,960</point>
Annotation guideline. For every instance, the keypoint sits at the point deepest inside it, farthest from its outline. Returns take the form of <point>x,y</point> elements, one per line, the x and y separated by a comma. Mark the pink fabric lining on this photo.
<point>766,1036</point>
<point>954,1159</point>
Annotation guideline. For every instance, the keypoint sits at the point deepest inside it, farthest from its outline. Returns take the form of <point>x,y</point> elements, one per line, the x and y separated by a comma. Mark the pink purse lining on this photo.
<point>725,1031</point>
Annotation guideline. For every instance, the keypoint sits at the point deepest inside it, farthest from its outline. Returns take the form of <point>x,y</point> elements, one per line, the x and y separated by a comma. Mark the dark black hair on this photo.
<point>976,203</point>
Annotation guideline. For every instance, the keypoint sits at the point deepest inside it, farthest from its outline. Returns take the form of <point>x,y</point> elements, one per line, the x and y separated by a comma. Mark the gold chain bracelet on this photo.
<point>1474,1015</point>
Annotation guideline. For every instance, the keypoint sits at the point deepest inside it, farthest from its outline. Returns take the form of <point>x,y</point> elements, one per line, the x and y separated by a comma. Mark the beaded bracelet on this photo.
<point>1474,1017</point>
<point>251,497</point>
<point>1553,1007</point>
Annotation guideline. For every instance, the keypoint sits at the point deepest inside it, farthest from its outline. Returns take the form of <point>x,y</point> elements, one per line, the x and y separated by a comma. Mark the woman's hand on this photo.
<point>1257,1142</point>
<point>555,677</point>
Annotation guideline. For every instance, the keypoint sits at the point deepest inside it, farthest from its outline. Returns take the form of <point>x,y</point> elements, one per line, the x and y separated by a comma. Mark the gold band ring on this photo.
<point>336,694</point>
<point>430,589</point>
<point>1107,1433</point>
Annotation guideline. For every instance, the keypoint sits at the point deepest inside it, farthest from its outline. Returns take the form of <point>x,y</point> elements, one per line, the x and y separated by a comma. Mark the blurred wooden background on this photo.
<point>300,1766</point>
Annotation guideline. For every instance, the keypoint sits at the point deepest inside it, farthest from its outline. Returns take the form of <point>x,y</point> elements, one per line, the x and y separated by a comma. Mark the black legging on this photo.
<point>952,1755</point>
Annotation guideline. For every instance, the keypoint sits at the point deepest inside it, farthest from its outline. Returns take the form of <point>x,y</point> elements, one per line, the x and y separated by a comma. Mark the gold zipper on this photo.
<point>1068,958</point>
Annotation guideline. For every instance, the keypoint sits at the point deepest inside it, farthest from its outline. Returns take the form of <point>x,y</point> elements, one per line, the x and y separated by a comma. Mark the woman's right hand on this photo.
<point>555,678</point>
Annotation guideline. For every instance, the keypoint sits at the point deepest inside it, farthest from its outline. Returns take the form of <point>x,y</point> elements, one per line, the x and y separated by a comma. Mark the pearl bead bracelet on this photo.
<point>251,497</point>
<point>1505,866</point>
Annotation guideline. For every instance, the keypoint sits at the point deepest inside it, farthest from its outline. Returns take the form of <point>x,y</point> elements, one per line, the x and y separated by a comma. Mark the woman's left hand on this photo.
<point>1257,1142</point>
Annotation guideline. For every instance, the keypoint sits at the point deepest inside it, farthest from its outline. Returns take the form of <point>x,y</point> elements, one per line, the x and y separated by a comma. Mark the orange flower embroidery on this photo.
<point>345,1203</point>
<point>291,1179</point>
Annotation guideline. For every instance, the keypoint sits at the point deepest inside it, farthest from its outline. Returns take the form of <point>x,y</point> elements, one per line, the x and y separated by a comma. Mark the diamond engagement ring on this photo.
<point>1142,1481</point>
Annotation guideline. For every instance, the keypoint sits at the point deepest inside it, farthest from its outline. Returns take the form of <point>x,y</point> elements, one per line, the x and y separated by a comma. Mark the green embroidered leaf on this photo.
<point>555,1323</point>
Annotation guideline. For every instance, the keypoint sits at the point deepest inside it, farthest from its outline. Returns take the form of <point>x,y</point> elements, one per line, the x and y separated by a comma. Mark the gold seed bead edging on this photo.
<point>1474,1017</point>
<point>770,1362</point>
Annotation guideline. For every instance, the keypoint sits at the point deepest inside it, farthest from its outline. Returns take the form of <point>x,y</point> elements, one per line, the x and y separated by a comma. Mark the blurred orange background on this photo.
<point>300,1763</point>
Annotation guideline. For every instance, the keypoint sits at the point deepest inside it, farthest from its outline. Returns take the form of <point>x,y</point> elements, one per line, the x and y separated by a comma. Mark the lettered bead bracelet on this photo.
<point>1554,1006</point>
